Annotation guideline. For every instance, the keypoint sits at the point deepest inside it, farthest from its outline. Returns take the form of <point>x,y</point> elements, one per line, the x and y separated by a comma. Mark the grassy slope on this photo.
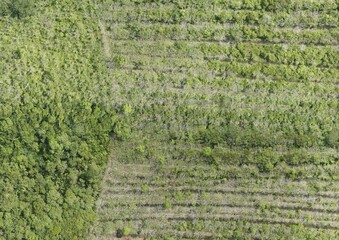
<point>233,129</point>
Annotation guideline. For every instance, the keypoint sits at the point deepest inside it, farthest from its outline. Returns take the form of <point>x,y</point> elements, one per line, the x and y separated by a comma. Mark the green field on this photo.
<point>219,120</point>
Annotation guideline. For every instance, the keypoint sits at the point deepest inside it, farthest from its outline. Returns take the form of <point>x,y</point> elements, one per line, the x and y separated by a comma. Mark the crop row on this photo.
<point>204,206</point>
<point>247,91</point>
<point>163,178</point>
<point>209,229</point>
<point>172,15</point>
<point>239,157</point>
<point>222,213</point>
<point>180,81</point>
<point>225,65</point>
<point>120,58</point>
<point>327,56</point>
<point>264,5</point>
<point>200,81</point>
<point>251,98</point>
<point>191,194</point>
<point>223,33</point>
<point>202,199</point>
<point>252,190</point>
<point>263,165</point>
<point>262,170</point>
<point>143,175</point>
<point>223,155</point>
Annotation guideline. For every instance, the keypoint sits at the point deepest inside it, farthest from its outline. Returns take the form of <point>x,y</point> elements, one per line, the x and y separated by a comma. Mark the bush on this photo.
<point>123,232</point>
<point>332,138</point>
<point>17,8</point>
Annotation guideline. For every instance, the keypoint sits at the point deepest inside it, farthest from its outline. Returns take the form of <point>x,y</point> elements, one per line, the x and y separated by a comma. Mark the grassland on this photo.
<point>231,126</point>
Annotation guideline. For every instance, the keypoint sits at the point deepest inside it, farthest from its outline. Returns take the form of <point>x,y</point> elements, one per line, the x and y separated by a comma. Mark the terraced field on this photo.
<point>231,120</point>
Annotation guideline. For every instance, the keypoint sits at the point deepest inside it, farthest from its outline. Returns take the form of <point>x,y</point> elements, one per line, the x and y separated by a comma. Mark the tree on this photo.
<point>17,8</point>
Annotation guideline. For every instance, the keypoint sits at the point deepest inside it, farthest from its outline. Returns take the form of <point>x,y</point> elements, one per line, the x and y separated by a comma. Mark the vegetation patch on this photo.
<point>17,8</point>
<point>55,120</point>
<point>220,116</point>
<point>232,113</point>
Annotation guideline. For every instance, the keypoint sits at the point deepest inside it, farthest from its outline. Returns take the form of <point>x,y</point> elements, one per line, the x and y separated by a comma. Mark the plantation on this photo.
<point>233,113</point>
<point>219,119</point>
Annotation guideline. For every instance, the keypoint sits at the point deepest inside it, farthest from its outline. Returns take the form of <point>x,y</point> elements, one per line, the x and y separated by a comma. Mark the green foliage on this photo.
<point>17,8</point>
<point>167,203</point>
<point>119,61</point>
<point>221,94</point>
<point>125,231</point>
<point>54,122</point>
<point>333,138</point>
<point>230,111</point>
<point>207,151</point>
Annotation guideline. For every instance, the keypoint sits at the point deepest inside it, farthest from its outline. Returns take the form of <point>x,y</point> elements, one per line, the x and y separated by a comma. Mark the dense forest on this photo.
<point>54,119</point>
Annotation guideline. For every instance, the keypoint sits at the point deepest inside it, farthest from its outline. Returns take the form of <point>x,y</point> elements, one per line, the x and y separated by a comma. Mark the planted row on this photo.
<point>223,33</point>
<point>172,15</point>
<point>244,52</point>
<point>266,5</point>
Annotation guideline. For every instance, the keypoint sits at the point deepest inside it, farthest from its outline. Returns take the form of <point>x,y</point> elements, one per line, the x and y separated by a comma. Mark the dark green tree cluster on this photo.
<point>54,124</point>
<point>17,8</point>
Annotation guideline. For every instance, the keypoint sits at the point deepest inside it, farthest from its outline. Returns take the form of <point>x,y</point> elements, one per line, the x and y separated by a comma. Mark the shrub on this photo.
<point>167,203</point>
<point>123,232</point>
<point>332,138</point>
